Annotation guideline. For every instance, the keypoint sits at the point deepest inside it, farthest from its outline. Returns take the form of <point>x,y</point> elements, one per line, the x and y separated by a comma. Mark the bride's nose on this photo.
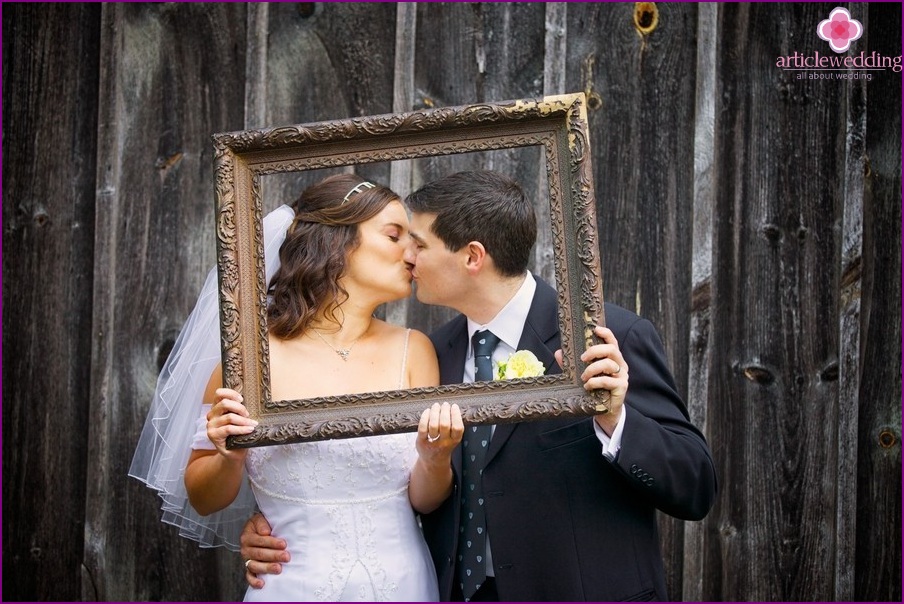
<point>410,255</point>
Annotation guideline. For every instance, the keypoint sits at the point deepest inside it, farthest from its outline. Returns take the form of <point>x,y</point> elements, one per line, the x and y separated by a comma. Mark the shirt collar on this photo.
<point>508,324</point>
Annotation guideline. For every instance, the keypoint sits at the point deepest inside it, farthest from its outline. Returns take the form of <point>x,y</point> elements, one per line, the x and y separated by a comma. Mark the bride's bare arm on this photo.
<point>439,432</point>
<point>213,478</point>
<point>212,481</point>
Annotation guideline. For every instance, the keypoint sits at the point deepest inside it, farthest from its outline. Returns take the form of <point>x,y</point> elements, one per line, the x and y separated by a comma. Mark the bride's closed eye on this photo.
<point>394,232</point>
<point>399,237</point>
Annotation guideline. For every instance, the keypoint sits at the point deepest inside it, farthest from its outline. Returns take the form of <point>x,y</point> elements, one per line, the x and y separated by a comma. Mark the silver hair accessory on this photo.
<point>357,189</point>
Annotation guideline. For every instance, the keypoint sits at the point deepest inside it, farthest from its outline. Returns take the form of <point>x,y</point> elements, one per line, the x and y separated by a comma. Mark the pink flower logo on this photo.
<point>839,30</point>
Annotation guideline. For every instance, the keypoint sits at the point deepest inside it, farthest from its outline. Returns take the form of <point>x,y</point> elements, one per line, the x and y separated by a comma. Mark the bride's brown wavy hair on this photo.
<point>315,253</point>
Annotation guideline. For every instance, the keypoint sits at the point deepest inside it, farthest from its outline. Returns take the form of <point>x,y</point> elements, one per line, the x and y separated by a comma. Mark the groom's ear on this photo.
<point>476,256</point>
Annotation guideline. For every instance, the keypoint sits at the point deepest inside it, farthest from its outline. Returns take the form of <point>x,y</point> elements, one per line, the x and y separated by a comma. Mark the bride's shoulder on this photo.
<point>382,329</point>
<point>390,332</point>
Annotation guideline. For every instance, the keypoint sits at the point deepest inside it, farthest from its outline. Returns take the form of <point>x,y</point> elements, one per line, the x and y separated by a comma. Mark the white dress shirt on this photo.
<point>507,325</point>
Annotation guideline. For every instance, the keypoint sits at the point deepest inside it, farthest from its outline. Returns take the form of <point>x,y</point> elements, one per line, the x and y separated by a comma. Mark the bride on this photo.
<point>349,505</point>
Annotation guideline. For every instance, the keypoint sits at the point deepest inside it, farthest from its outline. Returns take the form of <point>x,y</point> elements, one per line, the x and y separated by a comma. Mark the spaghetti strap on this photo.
<point>404,361</point>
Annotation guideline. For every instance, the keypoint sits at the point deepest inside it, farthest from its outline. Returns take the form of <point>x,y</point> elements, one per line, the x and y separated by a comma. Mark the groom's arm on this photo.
<point>262,552</point>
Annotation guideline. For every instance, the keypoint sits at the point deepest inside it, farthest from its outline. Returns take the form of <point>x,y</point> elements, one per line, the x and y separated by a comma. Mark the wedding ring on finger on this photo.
<point>247,562</point>
<point>433,439</point>
<point>617,371</point>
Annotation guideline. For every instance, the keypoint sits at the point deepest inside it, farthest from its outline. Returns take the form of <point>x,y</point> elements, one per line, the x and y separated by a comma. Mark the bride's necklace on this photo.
<point>342,352</point>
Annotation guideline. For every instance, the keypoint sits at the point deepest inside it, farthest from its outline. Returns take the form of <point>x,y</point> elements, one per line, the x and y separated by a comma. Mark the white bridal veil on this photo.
<point>176,412</point>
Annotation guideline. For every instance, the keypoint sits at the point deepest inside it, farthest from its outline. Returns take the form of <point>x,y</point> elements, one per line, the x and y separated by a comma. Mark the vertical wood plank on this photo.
<point>171,75</point>
<point>403,87</point>
<point>256,65</point>
<point>780,160</point>
<point>402,100</point>
<point>50,53</point>
<point>700,344</point>
<point>851,258</point>
<point>877,574</point>
<point>555,56</point>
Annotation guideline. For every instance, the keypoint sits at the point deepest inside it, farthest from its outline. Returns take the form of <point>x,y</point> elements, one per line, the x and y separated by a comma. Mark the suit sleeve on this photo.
<point>663,455</point>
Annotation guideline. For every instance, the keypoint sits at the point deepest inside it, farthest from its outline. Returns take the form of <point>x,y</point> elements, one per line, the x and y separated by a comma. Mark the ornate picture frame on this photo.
<point>557,124</point>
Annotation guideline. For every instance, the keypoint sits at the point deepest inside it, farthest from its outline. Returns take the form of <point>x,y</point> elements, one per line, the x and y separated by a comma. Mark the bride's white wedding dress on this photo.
<point>342,506</point>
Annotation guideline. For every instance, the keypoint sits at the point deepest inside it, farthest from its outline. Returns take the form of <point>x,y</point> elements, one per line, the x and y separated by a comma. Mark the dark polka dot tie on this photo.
<point>472,542</point>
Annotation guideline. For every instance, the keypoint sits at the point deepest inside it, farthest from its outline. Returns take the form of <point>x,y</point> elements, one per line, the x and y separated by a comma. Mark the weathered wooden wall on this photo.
<point>50,56</point>
<point>753,217</point>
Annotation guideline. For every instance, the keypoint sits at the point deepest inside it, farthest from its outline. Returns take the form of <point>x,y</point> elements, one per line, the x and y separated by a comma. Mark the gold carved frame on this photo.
<point>557,123</point>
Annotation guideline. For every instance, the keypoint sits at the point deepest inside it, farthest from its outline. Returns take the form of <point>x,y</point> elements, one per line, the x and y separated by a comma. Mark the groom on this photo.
<point>565,509</point>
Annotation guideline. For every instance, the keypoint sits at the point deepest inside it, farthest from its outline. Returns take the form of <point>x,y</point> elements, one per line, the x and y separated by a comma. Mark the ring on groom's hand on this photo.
<point>247,562</point>
<point>433,439</point>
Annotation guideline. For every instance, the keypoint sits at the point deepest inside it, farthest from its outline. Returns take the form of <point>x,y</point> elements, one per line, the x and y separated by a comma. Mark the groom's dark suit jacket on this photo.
<point>564,523</point>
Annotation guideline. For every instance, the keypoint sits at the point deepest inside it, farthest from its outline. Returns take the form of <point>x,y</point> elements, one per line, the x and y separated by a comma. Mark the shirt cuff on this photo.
<point>611,444</point>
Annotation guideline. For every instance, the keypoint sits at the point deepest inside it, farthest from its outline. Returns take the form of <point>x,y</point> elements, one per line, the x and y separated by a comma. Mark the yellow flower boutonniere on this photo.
<point>520,364</point>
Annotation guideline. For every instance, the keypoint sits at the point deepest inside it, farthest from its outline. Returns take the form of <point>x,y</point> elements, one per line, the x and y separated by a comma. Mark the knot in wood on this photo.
<point>646,17</point>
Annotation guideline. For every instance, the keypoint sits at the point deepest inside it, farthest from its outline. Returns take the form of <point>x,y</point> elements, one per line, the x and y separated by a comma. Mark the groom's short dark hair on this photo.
<point>484,206</point>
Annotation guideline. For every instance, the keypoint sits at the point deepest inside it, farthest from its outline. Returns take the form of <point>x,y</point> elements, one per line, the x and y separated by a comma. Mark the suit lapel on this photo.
<point>452,350</point>
<point>540,336</point>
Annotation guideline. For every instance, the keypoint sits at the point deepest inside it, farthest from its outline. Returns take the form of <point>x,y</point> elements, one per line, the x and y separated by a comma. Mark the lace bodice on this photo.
<point>343,508</point>
<point>333,472</point>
